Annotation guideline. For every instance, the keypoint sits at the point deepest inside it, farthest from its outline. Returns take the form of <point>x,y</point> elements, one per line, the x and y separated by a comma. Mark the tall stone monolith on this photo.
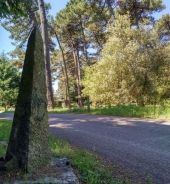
<point>29,139</point>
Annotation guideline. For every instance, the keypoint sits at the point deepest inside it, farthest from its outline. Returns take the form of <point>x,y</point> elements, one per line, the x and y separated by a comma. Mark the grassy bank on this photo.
<point>148,111</point>
<point>2,109</point>
<point>87,165</point>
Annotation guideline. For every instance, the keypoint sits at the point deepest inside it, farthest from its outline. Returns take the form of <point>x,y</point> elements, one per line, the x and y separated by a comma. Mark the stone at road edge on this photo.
<point>29,138</point>
<point>67,177</point>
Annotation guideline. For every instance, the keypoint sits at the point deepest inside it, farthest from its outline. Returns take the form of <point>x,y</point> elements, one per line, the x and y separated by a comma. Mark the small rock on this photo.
<point>61,162</point>
<point>71,177</point>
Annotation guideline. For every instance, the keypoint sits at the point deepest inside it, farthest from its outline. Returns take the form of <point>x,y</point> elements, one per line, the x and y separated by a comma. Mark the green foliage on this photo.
<point>5,127</point>
<point>11,7</point>
<point>148,111</point>
<point>132,67</point>
<point>20,32</point>
<point>9,83</point>
<point>162,28</point>
<point>140,9</point>
<point>79,27</point>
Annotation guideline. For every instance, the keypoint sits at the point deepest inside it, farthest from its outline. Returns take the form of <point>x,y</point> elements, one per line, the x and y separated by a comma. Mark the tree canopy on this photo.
<point>132,66</point>
<point>9,82</point>
<point>135,53</point>
<point>162,28</point>
<point>12,7</point>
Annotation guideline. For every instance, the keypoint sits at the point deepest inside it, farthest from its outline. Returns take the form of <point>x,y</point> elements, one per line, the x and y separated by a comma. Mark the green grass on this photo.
<point>88,166</point>
<point>10,110</point>
<point>5,127</point>
<point>125,110</point>
<point>1,108</point>
<point>149,111</point>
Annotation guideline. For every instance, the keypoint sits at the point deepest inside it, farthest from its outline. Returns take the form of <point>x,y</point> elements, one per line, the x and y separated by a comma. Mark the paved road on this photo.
<point>142,146</point>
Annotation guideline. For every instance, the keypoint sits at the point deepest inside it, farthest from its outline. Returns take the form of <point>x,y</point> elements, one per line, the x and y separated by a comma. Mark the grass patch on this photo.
<point>90,169</point>
<point>149,111</point>
<point>10,110</point>
<point>5,127</point>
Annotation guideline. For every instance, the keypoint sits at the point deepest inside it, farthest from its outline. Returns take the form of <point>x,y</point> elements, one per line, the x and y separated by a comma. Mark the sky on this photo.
<point>5,41</point>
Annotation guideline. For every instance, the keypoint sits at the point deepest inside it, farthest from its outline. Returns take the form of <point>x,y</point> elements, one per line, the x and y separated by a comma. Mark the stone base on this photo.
<point>59,172</point>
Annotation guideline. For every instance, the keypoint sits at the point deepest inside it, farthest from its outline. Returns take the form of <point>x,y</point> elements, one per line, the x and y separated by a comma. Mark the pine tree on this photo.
<point>46,54</point>
<point>80,26</point>
<point>162,28</point>
<point>11,7</point>
<point>140,9</point>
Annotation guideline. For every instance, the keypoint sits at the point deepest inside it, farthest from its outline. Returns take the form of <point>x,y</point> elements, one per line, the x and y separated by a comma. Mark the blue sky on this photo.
<point>5,42</point>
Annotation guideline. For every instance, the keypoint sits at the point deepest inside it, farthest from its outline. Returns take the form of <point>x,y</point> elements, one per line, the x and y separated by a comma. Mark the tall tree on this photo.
<point>109,4</point>
<point>81,26</point>
<point>140,9</point>
<point>162,28</point>
<point>65,72</point>
<point>132,66</point>
<point>46,54</point>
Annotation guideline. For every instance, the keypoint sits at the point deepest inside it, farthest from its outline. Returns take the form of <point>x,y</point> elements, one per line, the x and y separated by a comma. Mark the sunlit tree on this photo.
<point>131,65</point>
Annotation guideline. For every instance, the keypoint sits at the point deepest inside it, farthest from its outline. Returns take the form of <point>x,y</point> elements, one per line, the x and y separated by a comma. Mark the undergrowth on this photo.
<point>148,111</point>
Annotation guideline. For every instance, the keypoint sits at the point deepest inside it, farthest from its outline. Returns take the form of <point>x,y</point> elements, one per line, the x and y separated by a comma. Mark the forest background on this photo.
<point>7,47</point>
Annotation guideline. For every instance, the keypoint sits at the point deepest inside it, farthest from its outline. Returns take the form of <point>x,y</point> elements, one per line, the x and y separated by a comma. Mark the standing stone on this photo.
<point>29,139</point>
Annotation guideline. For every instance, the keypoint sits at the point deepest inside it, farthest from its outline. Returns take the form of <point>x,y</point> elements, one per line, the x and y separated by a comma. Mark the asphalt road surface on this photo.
<point>141,146</point>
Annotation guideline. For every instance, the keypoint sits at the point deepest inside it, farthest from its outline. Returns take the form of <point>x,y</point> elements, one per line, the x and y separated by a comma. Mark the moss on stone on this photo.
<point>29,139</point>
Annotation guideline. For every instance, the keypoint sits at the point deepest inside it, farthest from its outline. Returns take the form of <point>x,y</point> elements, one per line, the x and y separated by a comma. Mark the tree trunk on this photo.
<point>110,8</point>
<point>136,15</point>
<point>66,96</point>
<point>87,60</point>
<point>77,68</point>
<point>46,54</point>
<point>66,74</point>
<point>80,101</point>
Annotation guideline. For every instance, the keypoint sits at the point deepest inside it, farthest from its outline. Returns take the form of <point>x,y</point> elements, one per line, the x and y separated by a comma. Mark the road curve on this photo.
<point>141,146</point>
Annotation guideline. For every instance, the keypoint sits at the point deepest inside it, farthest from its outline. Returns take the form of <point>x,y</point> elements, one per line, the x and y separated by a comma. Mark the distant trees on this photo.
<point>135,53</point>
<point>79,27</point>
<point>9,83</point>
<point>133,66</point>
<point>82,29</point>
